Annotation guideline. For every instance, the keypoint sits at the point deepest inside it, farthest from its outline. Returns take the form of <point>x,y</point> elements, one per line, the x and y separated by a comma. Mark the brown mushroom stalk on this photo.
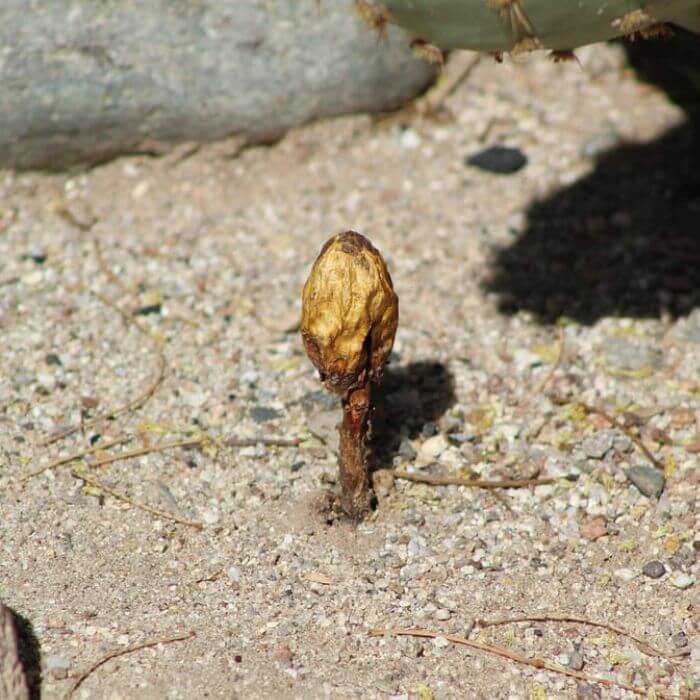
<point>350,313</point>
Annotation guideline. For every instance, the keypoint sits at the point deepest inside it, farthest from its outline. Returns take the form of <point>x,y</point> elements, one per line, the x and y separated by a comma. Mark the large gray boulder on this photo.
<point>83,80</point>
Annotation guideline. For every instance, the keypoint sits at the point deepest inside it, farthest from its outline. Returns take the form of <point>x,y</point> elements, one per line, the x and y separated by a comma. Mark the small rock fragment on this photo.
<point>622,355</point>
<point>442,614</point>
<point>56,663</point>
<point>654,569</point>
<point>440,643</point>
<point>625,574</point>
<point>211,516</point>
<point>595,446</point>
<point>383,482</point>
<point>594,528</point>
<point>234,573</point>
<point>684,557</point>
<point>682,581</point>
<point>680,640</point>
<point>262,414</point>
<point>649,481</point>
<point>433,447</point>
<point>406,450</point>
<point>576,660</point>
<point>500,160</point>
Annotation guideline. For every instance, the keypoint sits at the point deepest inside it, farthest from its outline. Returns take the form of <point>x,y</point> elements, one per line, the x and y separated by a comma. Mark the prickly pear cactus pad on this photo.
<point>523,25</point>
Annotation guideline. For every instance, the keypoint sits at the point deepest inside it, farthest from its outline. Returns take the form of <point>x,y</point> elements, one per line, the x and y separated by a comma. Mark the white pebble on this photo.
<point>440,643</point>
<point>682,581</point>
<point>625,574</point>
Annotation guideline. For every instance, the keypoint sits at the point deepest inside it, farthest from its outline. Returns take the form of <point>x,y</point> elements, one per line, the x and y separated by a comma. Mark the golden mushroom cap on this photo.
<point>350,312</point>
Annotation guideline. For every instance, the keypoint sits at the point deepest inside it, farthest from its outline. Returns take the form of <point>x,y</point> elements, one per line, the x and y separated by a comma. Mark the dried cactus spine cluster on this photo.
<point>515,26</point>
<point>350,314</point>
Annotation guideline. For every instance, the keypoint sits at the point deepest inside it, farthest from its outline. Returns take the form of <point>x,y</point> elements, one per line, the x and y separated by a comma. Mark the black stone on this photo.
<point>500,160</point>
<point>149,309</point>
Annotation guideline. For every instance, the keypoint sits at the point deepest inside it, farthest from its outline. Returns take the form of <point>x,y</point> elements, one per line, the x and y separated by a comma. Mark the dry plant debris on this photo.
<point>350,313</point>
<point>505,653</point>
<point>122,652</point>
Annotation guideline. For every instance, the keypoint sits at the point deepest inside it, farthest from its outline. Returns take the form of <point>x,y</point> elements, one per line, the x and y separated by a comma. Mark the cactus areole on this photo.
<point>350,313</point>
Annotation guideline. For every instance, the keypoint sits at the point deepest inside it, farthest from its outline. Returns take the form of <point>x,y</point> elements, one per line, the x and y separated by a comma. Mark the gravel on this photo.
<point>492,272</point>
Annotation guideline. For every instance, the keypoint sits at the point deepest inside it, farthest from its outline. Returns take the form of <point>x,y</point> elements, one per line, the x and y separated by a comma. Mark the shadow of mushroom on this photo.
<point>409,397</point>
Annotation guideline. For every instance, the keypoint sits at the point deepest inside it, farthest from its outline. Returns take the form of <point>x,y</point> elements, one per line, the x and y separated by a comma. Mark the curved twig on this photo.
<point>120,652</point>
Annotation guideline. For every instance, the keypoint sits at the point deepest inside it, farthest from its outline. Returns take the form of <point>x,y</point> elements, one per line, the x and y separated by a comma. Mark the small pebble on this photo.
<point>433,447</point>
<point>595,446</point>
<point>410,139</point>
<point>594,528</point>
<point>500,160</point>
<point>682,581</point>
<point>624,355</point>
<point>625,574</point>
<point>648,480</point>
<point>211,516</point>
<point>680,640</point>
<point>406,450</point>
<point>234,573</point>
<point>576,660</point>
<point>654,569</point>
<point>57,663</point>
<point>440,643</point>
<point>442,614</point>
<point>429,429</point>
<point>262,414</point>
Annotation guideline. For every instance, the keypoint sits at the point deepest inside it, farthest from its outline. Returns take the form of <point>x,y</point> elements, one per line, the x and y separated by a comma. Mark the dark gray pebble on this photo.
<point>648,480</point>
<point>500,160</point>
<point>654,569</point>
<point>587,691</point>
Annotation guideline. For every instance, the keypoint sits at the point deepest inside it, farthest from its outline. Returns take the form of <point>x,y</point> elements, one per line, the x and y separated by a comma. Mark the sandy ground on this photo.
<point>532,303</point>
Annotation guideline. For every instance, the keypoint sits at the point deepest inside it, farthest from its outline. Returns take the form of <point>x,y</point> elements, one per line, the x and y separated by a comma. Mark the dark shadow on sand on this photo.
<point>409,398</point>
<point>625,240</point>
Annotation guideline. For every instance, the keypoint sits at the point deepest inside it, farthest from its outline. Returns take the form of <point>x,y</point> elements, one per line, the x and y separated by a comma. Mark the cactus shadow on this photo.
<point>625,240</point>
<point>409,398</point>
<point>29,653</point>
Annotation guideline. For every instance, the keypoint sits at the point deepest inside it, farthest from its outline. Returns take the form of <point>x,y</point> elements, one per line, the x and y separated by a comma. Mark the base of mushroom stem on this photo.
<point>356,492</point>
